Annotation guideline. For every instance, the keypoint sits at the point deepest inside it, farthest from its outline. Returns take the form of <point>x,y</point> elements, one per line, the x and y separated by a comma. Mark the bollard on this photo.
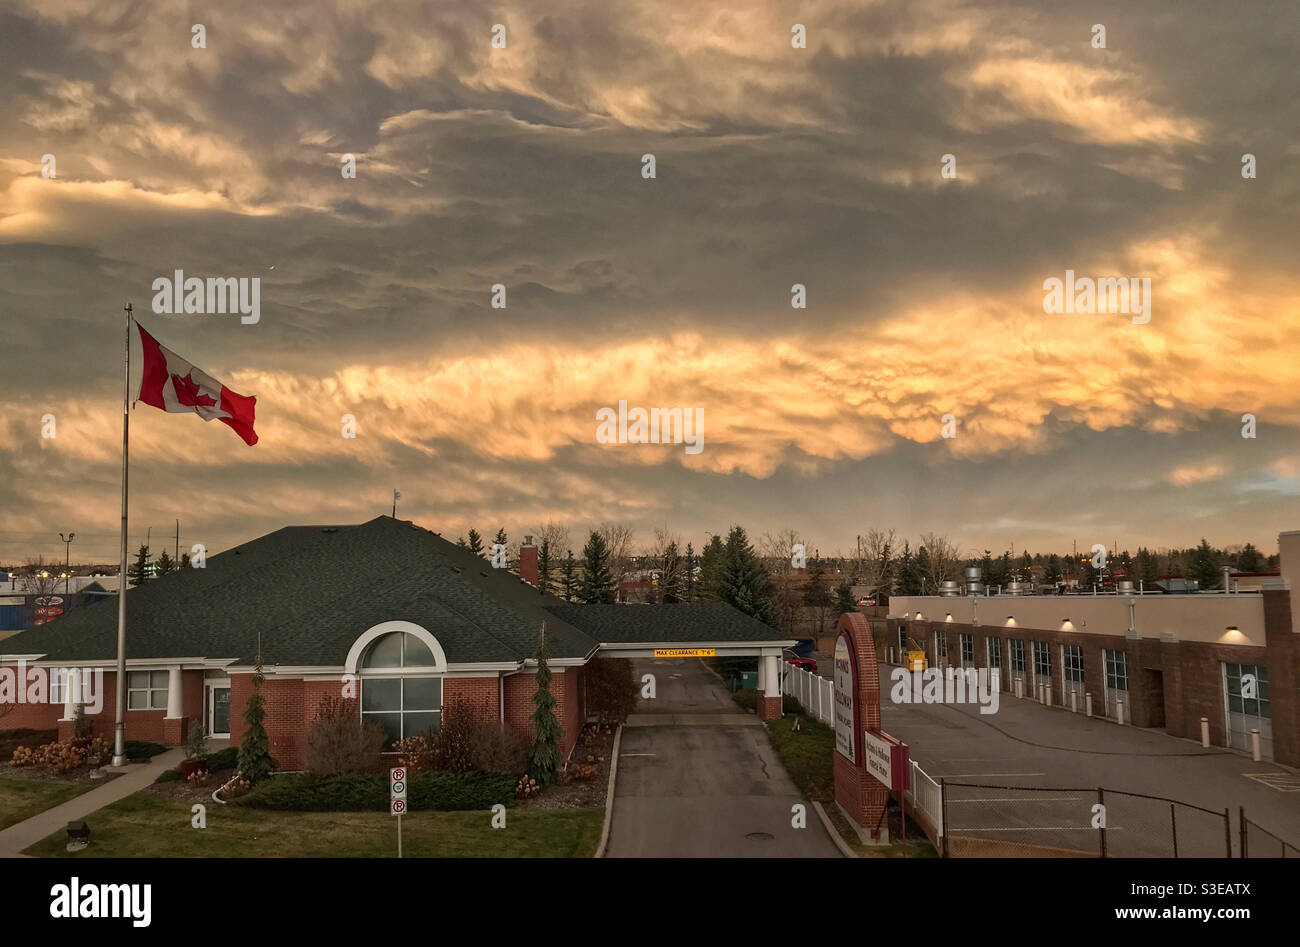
<point>1047,695</point>
<point>1087,704</point>
<point>1205,731</point>
<point>1074,702</point>
<point>1119,712</point>
<point>1020,688</point>
<point>1254,745</point>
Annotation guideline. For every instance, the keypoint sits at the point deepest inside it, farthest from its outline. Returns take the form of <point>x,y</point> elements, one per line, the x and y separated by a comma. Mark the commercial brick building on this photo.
<point>386,611</point>
<point>1161,660</point>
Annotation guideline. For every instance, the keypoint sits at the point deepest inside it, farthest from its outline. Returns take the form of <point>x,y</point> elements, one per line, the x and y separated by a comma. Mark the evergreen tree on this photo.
<point>544,567</point>
<point>460,541</point>
<point>1250,560</point>
<point>255,760</point>
<point>544,751</point>
<point>1052,570</point>
<point>165,564</point>
<point>597,584</point>
<point>711,565</point>
<point>501,538</point>
<point>1026,569</point>
<point>475,542</point>
<point>185,560</point>
<point>923,570</point>
<point>909,577</point>
<point>569,577</point>
<point>1147,568</point>
<point>1204,567</point>
<point>690,572</point>
<point>743,581</point>
<point>672,576</point>
<point>138,571</point>
<point>844,599</point>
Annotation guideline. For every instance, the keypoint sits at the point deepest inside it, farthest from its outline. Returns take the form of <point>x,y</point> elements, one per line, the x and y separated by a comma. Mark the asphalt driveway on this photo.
<point>698,778</point>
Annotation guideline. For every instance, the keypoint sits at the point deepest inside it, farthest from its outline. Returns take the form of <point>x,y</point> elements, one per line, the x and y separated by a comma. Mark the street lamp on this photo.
<point>67,556</point>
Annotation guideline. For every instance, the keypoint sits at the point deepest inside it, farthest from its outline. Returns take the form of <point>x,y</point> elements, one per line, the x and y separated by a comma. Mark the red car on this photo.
<point>807,664</point>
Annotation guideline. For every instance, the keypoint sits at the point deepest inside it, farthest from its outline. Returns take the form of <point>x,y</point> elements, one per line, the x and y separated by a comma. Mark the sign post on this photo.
<point>397,800</point>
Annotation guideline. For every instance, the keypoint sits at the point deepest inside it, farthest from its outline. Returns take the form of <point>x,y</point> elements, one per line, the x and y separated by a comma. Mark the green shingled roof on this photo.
<point>638,624</point>
<point>311,591</point>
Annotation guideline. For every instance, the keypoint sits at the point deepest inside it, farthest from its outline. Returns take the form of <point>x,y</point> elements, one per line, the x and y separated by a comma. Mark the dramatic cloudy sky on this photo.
<point>775,166</point>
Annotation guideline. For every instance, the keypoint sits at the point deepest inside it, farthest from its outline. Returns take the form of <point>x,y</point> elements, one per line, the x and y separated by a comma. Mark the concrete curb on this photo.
<point>609,794</point>
<point>838,839</point>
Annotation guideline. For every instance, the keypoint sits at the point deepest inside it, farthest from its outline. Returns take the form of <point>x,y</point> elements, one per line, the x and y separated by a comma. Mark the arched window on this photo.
<point>398,689</point>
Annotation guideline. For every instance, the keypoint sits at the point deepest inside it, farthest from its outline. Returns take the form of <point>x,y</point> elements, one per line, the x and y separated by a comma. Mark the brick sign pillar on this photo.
<point>858,793</point>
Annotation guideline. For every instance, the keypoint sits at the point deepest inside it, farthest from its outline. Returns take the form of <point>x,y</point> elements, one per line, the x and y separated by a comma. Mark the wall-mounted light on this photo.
<point>1011,619</point>
<point>919,616</point>
<point>949,617</point>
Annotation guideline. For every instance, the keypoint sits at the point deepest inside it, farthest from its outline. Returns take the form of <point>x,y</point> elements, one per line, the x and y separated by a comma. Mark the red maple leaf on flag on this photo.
<point>187,392</point>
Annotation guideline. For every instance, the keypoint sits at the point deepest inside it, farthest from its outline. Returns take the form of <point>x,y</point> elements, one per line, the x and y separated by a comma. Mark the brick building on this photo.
<point>386,611</point>
<point>1162,660</point>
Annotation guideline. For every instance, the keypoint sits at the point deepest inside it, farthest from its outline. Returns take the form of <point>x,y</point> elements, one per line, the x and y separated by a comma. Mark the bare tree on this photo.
<point>777,551</point>
<point>37,578</point>
<point>873,563</point>
<point>669,566</point>
<point>945,559</point>
<point>558,536</point>
<point>618,539</point>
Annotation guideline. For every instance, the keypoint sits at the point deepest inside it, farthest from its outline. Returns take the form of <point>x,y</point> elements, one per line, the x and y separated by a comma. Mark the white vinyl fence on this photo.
<point>817,697</point>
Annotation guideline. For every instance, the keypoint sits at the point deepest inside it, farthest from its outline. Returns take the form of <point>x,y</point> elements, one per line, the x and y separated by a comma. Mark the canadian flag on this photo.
<point>174,385</point>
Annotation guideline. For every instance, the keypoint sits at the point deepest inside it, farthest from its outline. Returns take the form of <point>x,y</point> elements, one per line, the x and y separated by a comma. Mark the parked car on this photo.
<point>806,664</point>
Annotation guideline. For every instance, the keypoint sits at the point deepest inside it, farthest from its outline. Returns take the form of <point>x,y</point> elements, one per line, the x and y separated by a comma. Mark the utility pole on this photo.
<point>396,496</point>
<point>178,541</point>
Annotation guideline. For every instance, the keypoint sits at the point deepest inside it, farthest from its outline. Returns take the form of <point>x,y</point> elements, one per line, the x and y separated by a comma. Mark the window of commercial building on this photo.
<point>1017,656</point>
<point>405,705</point>
<point>1248,706</point>
<point>940,649</point>
<point>1042,662</point>
<point>1072,662</point>
<point>967,650</point>
<point>994,646</point>
<point>146,690</point>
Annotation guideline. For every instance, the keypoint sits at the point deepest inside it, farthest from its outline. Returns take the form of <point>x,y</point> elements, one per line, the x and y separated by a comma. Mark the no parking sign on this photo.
<point>397,797</point>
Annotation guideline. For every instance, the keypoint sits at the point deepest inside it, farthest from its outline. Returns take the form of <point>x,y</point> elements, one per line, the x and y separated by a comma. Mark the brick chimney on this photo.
<point>528,561</point>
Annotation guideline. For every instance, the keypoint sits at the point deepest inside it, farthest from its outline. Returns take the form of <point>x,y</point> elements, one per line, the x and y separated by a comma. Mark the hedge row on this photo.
<point>439,791</point>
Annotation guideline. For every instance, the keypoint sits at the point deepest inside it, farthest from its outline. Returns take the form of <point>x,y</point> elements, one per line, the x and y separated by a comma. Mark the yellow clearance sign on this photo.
<point>684,653</point>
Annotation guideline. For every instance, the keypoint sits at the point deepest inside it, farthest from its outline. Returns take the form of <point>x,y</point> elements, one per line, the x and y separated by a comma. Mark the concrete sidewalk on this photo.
<point>134,778</point>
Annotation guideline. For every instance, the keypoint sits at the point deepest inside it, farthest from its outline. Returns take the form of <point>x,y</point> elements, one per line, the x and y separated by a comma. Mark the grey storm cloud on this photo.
<point>775,166</point>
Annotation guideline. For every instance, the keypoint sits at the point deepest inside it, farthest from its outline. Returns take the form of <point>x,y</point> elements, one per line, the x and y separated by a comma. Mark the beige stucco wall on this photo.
<point>1203,618</point>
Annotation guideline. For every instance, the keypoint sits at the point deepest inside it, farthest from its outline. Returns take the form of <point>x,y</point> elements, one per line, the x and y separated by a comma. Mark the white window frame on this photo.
<point>58,678</point>
<point>149,689</point>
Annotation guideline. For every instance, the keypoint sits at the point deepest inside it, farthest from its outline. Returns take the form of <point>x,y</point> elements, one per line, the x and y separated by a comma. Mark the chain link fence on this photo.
<point>1259,842</point>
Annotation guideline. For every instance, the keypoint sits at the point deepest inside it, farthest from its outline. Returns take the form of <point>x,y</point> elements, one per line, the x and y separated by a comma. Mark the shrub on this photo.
<point>440,792</point>
<point>611,690</point>
<point>196,741</point>
<point>61,757</point>
<point>81,726</point>
<point>140,749</point>
<point>341,740</point>
<point>222,759</point>
<point>420,753</point>
<point>499,749</point>
<point>456,737</point>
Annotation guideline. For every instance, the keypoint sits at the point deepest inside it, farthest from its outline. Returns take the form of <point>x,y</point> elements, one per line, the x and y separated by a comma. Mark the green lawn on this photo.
<point>22,797</point>
<point>150,825</point>
<point>806,754</point>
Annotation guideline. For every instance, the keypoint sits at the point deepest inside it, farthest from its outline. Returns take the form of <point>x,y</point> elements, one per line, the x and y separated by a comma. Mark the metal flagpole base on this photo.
<point>119,761</point>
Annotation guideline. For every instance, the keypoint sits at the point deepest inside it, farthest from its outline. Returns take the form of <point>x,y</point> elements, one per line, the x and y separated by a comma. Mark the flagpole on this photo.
<point>119,726</point>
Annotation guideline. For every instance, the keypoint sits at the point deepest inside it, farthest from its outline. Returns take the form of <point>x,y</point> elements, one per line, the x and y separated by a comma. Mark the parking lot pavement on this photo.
<point>697,778</point>
<point>1027,745</point>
